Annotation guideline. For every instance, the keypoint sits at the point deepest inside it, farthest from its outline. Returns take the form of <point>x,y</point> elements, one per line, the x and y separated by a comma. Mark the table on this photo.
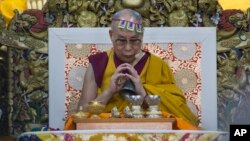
<point>126,123</point>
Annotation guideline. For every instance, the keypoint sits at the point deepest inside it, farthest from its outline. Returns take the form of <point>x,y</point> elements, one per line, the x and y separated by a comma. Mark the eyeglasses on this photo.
<point>124,42</point>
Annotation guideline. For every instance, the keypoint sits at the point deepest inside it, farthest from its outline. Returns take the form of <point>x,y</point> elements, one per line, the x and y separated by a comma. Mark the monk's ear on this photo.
<point>110,34</point>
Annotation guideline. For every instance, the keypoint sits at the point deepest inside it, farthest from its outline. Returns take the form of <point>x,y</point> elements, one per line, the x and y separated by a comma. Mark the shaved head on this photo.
<point>129,16</point>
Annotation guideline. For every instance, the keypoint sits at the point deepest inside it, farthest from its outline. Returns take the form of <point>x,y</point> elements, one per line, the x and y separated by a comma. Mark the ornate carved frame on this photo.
<point>206,36</point>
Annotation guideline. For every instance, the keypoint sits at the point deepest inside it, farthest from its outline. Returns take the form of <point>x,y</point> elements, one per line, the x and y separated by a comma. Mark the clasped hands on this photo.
<point>124,72</point>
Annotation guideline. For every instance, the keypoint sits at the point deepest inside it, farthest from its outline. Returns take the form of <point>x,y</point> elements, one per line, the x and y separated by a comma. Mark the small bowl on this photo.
<point>135,100</point>
<point>152,99</point>
<point>95,108</point>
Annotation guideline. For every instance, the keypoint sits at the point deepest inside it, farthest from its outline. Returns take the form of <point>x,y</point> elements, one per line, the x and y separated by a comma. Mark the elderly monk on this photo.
<point>149,74</point>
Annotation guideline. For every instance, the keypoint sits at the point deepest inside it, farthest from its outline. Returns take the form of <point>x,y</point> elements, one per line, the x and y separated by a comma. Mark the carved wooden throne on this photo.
<point>190,52</point>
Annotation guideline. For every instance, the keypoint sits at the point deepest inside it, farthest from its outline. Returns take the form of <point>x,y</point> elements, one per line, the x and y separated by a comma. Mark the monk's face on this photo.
<point>126,44</point>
